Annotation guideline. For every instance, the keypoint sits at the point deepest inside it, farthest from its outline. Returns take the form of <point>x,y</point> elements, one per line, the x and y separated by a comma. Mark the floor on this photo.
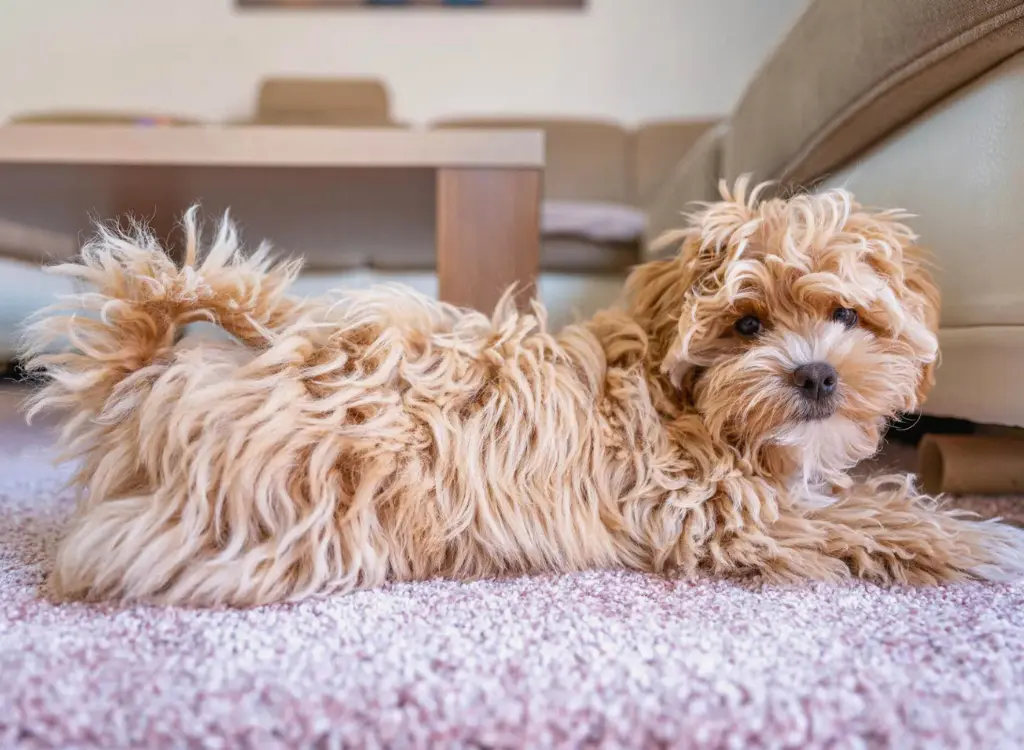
<point>603,659</point>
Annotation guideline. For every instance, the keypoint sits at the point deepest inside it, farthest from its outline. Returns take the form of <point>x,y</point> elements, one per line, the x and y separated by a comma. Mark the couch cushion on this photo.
<point>594,221</point>
<point>851,72</point>
<point>350,102</point>
<point>978,377</point>
<point>585,160</point>
<point>658,147</point>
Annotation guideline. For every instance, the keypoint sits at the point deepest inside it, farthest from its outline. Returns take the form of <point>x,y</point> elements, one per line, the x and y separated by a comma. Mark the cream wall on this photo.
<point>626,59</point>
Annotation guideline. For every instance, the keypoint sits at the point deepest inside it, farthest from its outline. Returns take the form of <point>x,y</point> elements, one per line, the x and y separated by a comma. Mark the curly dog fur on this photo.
<point>381,435</point>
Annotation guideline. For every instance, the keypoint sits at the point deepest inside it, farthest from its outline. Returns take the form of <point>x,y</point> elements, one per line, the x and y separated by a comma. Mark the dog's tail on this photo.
<point>137,302</point>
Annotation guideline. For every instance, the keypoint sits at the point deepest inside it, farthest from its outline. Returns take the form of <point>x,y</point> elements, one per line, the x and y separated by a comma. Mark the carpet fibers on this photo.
<point>604,659</point>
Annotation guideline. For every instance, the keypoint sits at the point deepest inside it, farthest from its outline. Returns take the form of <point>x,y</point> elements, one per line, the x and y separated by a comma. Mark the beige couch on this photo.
<point>912,104</point>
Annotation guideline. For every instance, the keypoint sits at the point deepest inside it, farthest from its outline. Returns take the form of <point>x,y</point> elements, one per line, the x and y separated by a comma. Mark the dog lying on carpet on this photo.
<point>706,426</point>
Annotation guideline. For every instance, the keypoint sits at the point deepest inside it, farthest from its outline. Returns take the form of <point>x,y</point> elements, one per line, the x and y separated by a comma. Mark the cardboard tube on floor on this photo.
<point>971,464</point>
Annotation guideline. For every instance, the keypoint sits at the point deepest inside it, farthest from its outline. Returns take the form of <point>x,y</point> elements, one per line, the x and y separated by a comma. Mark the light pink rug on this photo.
<point>602,659</point>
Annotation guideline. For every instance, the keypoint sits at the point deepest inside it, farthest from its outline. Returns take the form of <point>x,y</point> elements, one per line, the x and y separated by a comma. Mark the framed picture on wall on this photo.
<point>411,3</point>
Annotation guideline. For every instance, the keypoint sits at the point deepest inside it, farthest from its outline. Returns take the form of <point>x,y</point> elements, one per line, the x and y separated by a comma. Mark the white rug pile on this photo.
<point>596,660</point>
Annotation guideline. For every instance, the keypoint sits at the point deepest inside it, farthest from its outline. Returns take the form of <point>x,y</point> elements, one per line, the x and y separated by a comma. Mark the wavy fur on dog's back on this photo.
<point>335,444</point>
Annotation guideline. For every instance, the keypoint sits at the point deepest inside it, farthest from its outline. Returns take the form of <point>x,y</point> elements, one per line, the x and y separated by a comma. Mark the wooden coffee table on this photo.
<point>485,186</point>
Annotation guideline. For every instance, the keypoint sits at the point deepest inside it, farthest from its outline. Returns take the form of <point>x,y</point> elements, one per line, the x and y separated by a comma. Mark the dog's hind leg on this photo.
<point>882,530</point>
<point>222,480</point>
<point>176,546</point>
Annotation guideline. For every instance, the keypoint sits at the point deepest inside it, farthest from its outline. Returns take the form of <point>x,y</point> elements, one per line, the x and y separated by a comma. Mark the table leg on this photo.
<point>488,234</point>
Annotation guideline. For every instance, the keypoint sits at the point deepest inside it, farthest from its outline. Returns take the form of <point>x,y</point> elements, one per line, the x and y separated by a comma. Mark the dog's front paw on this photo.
<point>898,537</point>
<point>1001,550</point>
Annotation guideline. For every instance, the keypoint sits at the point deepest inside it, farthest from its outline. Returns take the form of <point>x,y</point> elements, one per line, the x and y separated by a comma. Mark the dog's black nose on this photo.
<point>816,381</point>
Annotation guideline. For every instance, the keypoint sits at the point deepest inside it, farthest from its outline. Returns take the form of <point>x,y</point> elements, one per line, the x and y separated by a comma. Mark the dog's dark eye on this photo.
<point>845,315</point>
<point>749,325</point>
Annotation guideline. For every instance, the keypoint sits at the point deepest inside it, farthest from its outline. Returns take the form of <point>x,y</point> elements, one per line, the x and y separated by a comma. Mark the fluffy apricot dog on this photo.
<point>706,425</point>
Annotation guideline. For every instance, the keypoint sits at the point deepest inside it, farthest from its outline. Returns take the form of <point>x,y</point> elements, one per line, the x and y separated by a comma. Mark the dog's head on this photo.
<point>803,323</point>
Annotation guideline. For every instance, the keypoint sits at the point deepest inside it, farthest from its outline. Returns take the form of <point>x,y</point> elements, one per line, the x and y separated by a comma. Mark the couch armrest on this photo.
<point>851,72</point>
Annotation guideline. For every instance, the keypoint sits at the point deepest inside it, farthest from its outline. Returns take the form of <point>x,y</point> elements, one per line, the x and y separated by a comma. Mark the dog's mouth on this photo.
<point>817,411</point>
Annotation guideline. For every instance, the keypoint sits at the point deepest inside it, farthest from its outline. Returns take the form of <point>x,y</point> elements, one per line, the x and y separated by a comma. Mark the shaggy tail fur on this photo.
<point>138,303</point>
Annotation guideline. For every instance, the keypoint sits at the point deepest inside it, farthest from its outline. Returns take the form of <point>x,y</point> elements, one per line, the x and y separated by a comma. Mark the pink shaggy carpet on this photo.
<point>605,659</point>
